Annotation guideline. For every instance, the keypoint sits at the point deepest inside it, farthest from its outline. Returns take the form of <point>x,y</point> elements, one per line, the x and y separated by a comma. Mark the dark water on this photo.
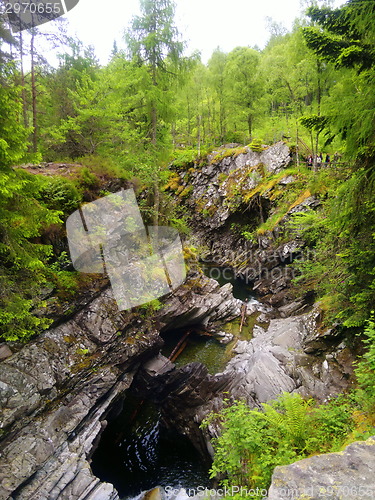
<point>200,348</point>
<point>136,453</point>
<point>241,289</point>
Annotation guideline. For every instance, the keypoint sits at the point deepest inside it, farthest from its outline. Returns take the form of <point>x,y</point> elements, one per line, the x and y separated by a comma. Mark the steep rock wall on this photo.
<point>56,392</point>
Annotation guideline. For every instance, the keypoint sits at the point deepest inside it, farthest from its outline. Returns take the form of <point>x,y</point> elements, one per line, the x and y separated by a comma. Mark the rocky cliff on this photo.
<point>57,391</point>
<point>240,202</point>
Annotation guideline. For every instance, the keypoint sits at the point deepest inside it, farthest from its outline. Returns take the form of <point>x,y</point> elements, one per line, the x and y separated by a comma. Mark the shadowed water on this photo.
<point>137,453</point>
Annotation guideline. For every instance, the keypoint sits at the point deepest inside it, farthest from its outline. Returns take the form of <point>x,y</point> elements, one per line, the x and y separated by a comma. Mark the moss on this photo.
<point>50,346</point>
<point>256,146</point>
<point>210,211</point>
<point>173,184</point>
<point>82,365</point>
<point>225,153</point>
<point>190,252</point>
<point>70,339</point>
<point>185,192</point>
<point>222,177</point>
<point>85,362</point>
<point>306,194</point>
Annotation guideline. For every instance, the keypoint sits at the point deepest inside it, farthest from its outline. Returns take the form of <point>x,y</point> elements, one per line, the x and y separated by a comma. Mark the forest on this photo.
<point>152,109</point>
<point>151,105</point>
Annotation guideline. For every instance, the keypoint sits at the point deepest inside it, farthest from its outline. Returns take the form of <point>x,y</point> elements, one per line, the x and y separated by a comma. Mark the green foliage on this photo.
<point>87,178</point>
<point>329,425</point>
<point>23,269</point>
<point>17,321</point>
<point>345,41</point>
<point>341,234</point>
<point>150,308</point>
<point>184,158</point>
<point>253,442</point>
<point>365,370</point>
<point>13,136</point>
<point>60,193</point>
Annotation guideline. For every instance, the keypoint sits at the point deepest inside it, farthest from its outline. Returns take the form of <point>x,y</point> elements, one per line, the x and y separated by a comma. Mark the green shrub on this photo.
<point>253,442</point>
<point>60,193</point>
<point>184,158</point>
<point>365,367</point>
<point>23,269</point>
<point>87,179</point>
<point>256,145</point>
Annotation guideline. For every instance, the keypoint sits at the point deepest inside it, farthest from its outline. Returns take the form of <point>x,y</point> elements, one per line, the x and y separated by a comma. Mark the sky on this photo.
<point>203,24</point>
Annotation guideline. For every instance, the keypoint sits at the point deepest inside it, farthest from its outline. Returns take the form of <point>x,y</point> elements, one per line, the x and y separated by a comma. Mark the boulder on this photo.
<point>5,351</point>
<point>349,474</point>
<point>200,301</point>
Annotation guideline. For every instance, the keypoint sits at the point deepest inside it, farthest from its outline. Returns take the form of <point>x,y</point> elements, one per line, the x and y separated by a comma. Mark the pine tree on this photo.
<point>153,40</point>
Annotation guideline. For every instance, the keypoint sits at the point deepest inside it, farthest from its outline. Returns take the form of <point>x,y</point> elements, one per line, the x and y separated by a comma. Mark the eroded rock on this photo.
<point>57,390</point>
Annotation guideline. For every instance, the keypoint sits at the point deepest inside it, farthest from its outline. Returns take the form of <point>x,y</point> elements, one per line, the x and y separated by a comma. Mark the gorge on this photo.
<point>61,390</point>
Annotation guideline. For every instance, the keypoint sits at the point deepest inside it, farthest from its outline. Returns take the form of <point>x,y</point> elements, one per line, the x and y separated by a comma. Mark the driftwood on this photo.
<point>243,311</point>
<point>177,351</point>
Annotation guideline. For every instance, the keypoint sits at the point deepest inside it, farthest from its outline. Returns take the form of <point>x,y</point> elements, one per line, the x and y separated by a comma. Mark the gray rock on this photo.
<point>205,303</point>
<point>5,351</point>
<point>56,391</point>
<point>349,474</point>
<point>275,360</point>
<point>287,180</point>
<point>223,337</point>
<point>276,157</point>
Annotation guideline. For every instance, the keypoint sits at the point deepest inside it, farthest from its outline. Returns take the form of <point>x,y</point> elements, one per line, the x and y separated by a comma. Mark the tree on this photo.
<point>242,70</point>
<point>60,101</point>
<point>153,40</point>
<point>216,67</point>
<point>345,38</point>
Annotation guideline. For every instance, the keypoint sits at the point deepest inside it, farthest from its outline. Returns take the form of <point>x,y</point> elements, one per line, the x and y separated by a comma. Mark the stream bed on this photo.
<point>136,453</point>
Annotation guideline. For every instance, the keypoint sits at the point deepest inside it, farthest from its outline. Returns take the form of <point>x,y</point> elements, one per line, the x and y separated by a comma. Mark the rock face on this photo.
<point>279,358</point>
<point>201,301</point>
<point>214,184</point>
<point>56,392</point>
<point>233,194</point>
<point>349,474</point>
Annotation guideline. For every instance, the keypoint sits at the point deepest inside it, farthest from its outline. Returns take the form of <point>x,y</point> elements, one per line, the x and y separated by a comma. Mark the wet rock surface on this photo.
<point>277,359</point>
<point>57,390</point>
<point>201,301</point>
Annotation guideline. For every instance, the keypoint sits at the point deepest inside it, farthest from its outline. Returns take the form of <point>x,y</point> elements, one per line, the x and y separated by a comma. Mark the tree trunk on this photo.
<point>23,86</point>
<point>319,100</point>
<point>250,125</point>
<point>190,141</point>
<point>34,93</point>
<point>199,134</point>
<point>154,120</point>
<point>297,148</point>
